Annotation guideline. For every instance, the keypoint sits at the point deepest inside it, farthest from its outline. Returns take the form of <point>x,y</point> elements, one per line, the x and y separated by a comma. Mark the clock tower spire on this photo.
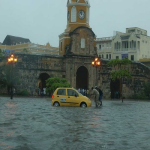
<point>77,14</point>
<point>78,38</point>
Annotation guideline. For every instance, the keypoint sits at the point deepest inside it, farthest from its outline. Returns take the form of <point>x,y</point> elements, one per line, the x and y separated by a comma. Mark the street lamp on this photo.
<point>96,63</point>
<point>12,60</point>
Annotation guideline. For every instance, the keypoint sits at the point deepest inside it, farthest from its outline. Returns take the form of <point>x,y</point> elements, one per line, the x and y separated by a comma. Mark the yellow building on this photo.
<point>78,13</point>
<point>21,45</point>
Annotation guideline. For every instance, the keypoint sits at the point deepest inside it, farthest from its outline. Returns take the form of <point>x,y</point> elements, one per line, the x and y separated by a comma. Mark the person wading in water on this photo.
<point>96,94</point>
<point>100,94</point>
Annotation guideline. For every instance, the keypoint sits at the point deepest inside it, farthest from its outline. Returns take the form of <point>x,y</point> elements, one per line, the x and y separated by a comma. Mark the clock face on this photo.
<point>81,14</point>
<point>68,15</point>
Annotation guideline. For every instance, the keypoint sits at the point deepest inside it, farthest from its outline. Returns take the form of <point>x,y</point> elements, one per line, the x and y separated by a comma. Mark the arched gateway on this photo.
<point>42,80</point>
<point>82,78</point>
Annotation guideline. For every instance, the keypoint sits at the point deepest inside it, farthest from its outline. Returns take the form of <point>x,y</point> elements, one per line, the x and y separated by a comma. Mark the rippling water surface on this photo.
<point>33,124</point>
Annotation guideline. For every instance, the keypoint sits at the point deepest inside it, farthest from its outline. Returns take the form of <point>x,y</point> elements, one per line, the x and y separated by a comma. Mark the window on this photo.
<point>107,56</point>
<point>72,93</point>
<point>61,92</point>
<point>102,56</point>
<point>132,57</point>
<point>117,57</point>
<point>99,46</point>
<point>73,14</point>
<point>82,43</point>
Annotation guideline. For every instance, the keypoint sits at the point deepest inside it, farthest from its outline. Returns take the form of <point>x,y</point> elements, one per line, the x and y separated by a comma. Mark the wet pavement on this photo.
<point>33,124</point>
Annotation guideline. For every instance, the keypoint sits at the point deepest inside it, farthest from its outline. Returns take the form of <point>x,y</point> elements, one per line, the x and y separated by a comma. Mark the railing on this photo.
<point>104,38</point>
<point>127,49</point>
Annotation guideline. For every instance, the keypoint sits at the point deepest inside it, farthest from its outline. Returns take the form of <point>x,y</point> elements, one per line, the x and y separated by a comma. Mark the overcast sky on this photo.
<point>43,21</point>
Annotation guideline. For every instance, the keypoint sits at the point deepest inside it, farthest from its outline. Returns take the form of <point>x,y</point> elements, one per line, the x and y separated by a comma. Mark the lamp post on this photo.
<point>11,60</point>
<point>96,63</point>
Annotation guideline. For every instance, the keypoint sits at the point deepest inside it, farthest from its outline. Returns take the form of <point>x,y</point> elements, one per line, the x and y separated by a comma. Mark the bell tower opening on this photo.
<point>82,78</point>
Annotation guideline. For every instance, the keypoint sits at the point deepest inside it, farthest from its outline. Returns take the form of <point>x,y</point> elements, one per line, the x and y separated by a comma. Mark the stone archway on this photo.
<point>42,80</point>
<point>82,78</point>
<point>115,86</point>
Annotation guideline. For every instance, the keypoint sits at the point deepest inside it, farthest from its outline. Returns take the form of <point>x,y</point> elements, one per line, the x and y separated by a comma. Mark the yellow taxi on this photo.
<point>69,97</point>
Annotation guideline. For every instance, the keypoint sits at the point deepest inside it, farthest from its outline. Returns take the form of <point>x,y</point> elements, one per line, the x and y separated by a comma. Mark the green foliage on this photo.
<point>119,62</point>
<point>53,83</point>
<point>23,93</point>
<point>122,73</point>
<point>140,96</point>
<point>8,76</point>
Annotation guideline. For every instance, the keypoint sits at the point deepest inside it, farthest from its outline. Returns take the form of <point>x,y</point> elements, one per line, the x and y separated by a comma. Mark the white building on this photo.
<point>134,44</point>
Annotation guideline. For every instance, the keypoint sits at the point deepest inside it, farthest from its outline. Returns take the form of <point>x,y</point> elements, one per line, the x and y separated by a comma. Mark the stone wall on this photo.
<point>31,66</point>
<point>140,75</point>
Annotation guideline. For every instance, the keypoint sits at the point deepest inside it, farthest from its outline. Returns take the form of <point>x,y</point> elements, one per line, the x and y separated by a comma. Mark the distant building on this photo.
<point>13,44</point>
<point>13,40</point>
<point>134,44</point>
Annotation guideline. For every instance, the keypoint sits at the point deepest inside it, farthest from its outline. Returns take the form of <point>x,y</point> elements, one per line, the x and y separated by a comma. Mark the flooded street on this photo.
<point>33,124</point>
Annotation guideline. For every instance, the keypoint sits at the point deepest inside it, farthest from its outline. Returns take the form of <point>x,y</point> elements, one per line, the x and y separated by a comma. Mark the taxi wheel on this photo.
<point>56,104</point>
<point>83,105</point>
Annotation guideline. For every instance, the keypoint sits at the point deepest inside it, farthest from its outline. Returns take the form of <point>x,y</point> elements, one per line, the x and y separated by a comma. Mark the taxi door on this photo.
<point>73,97</point>
<point>62,97</point>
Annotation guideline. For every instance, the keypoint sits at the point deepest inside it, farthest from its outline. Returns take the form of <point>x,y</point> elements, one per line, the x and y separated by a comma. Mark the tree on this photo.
<point>53,83</point>
<point>8,77</point>
<point>120,70</point>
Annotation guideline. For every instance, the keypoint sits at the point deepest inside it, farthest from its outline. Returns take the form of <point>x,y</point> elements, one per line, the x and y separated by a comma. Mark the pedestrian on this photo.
<point>44,91</point>
<point>14,91</point>
<point>11,93</point>
<point>79,90</point>
<point>100,94</point>
<point>96,94</point>
<point>83,92</point>
<point>87,92</point>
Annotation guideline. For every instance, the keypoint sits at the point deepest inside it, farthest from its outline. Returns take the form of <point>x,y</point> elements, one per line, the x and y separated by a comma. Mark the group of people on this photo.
<point>97,92</point>
<point>84,92</point>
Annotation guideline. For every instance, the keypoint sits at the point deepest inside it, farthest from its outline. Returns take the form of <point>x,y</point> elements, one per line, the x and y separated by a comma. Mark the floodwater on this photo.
<point>33,124</point>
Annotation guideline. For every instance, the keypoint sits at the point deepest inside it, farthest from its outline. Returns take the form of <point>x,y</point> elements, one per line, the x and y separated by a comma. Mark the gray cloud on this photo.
<point>43,20</point>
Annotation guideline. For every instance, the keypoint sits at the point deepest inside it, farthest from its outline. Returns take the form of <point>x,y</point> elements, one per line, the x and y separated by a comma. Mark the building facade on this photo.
<point>134,44</point>
<point>13,44</point>
<point>76,52</point>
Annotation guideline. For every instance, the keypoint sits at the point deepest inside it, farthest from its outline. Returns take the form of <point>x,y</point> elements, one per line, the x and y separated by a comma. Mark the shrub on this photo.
<point>23,93</point>
<point>141,96</point>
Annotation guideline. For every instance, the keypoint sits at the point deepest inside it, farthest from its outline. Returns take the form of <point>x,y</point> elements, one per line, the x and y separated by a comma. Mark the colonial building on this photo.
<point>77,49</point>
<point>15,44</point>
<point>134,44</point>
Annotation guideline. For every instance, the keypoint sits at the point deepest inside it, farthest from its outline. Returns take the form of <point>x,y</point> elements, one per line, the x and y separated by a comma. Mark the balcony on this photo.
<point>104,39</point>
<point>127,49</point>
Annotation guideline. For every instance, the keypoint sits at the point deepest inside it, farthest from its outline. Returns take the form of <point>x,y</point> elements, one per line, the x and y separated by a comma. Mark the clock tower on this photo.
<point>77,14</point>
<point>78,38</point>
